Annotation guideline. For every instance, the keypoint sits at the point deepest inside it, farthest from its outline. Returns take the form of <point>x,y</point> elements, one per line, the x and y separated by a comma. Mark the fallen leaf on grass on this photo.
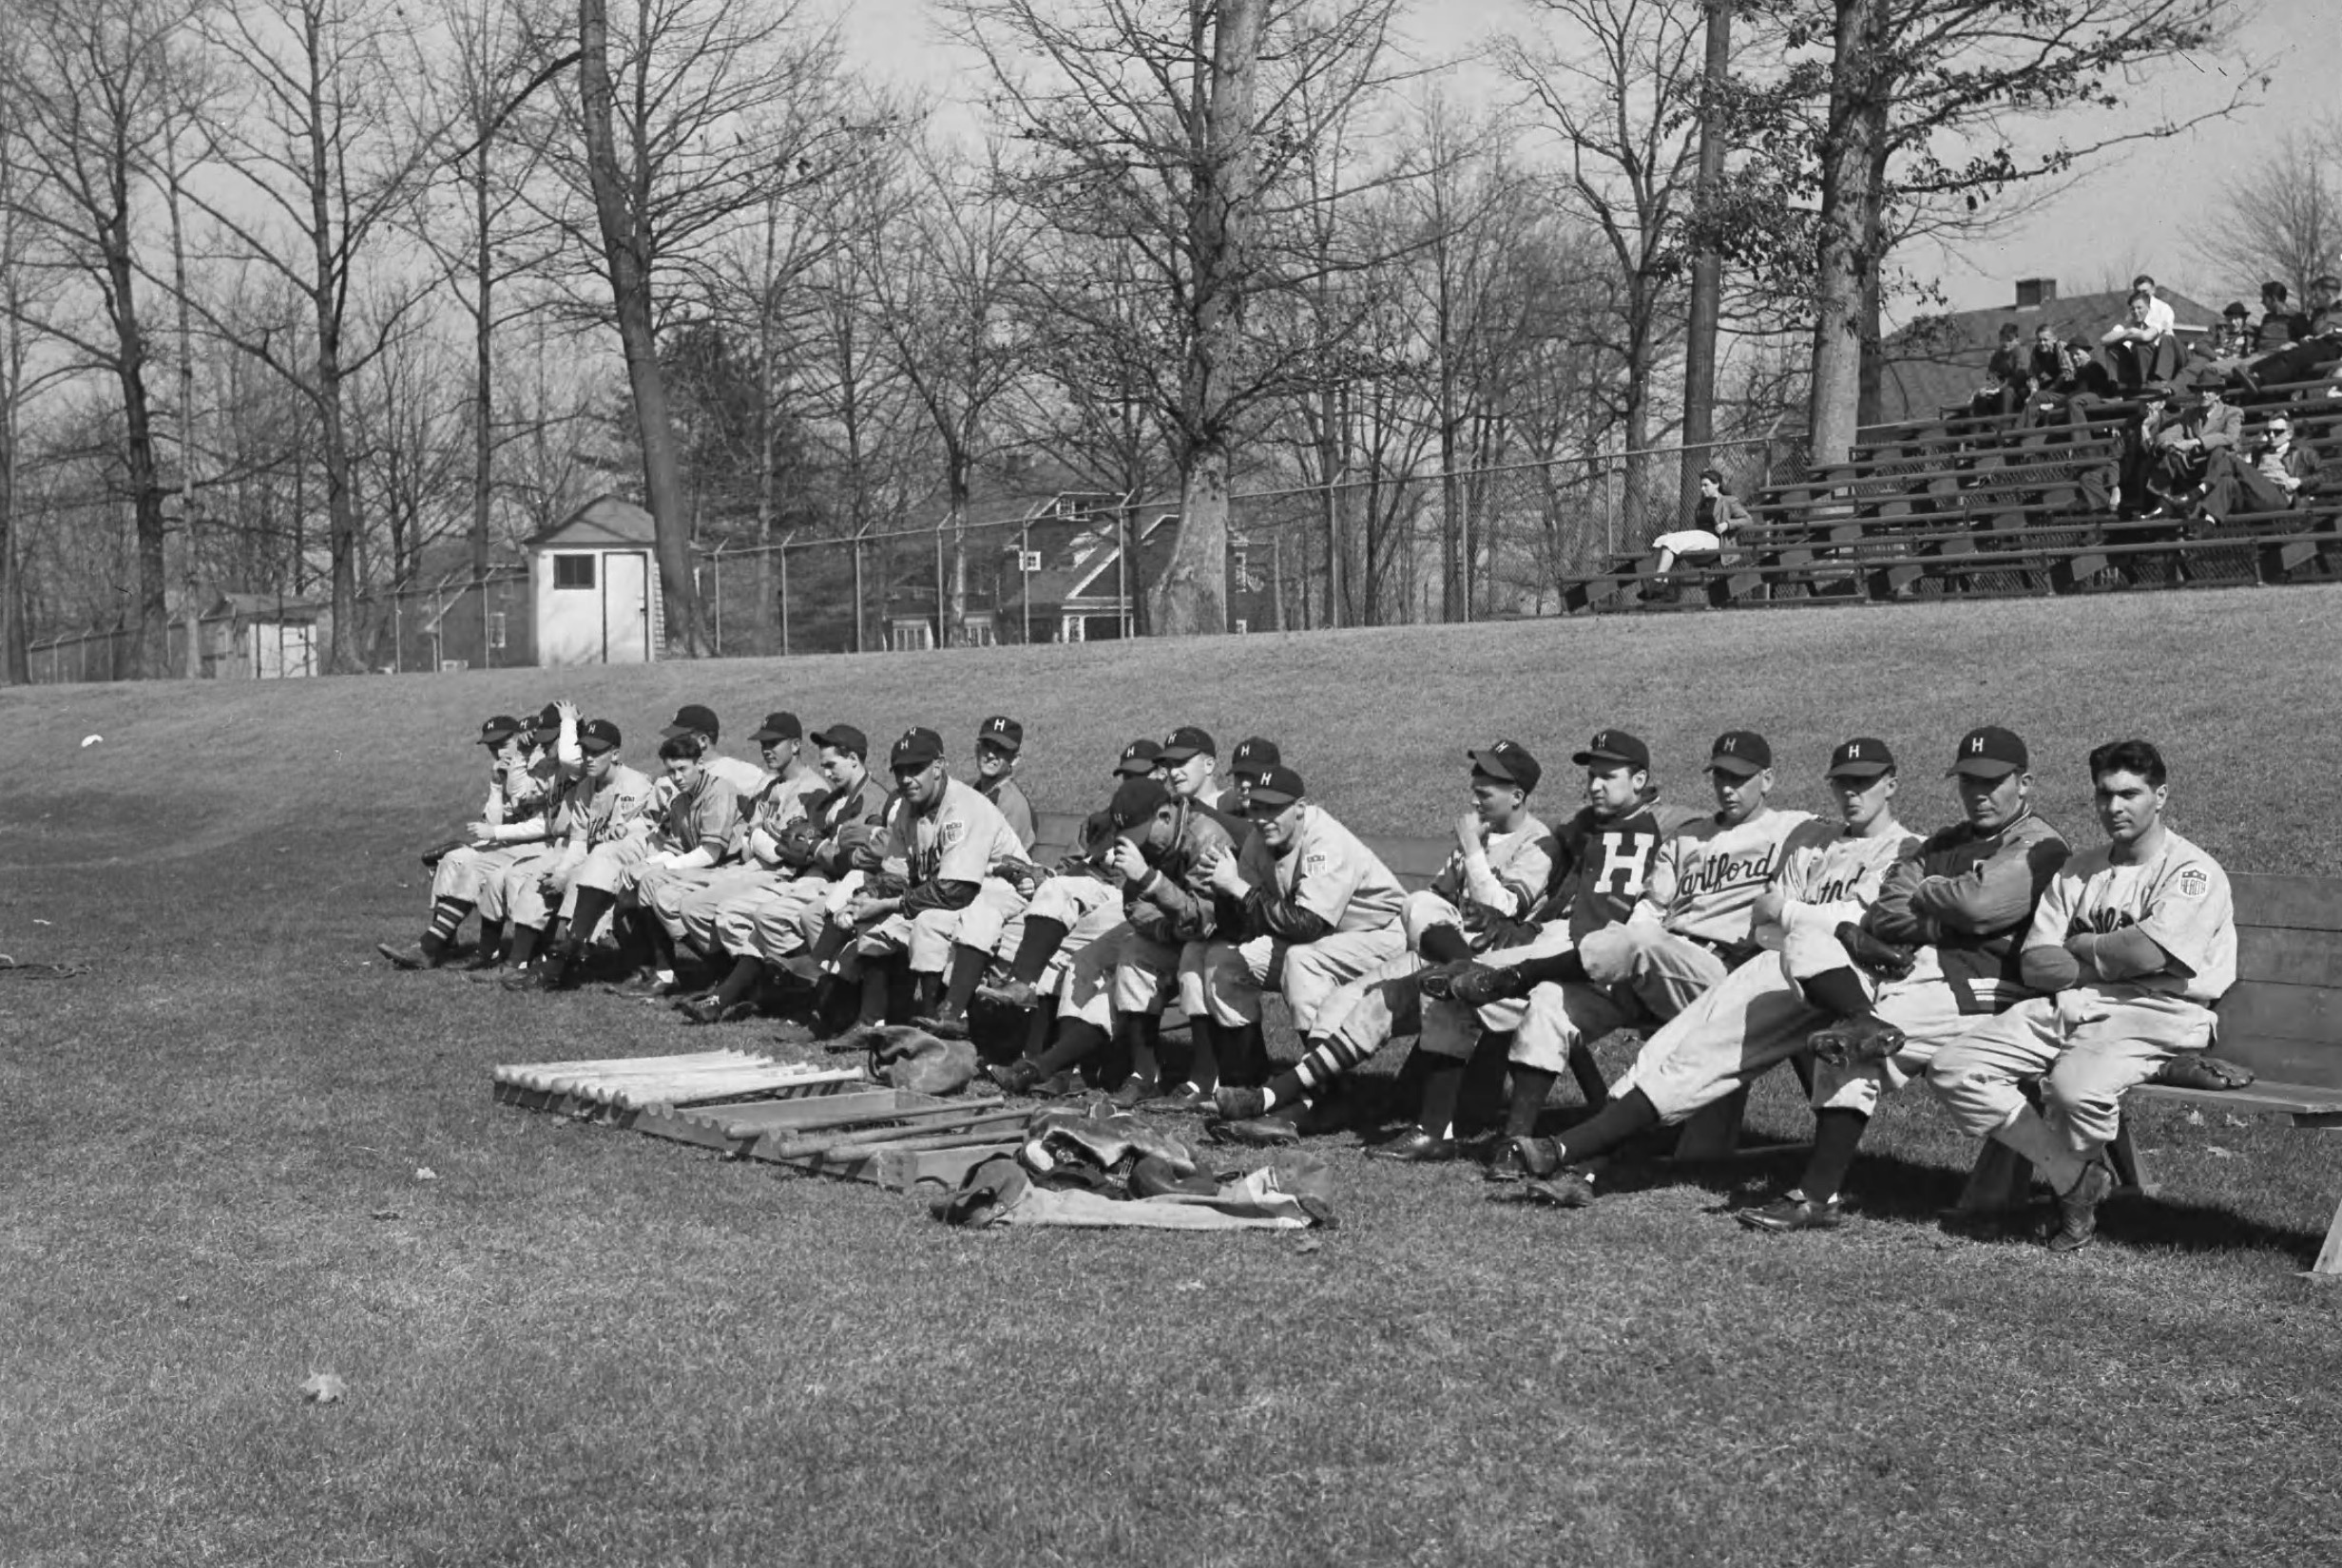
<point>324,1388</point>
<point>1307,1244</point>
<point>424,1173</point>
<point>384,1213</point>
<point>2195,1119</point>
<point>1188,1286</point>
<point>43,922</point>
<point>2233,1121</point>
<point>2218,1153</point>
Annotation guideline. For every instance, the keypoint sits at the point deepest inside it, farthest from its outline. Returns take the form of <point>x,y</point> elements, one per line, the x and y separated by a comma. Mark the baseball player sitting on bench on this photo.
<point>606,806</point>
<point>1191,770</point>
<point>524,780</point>
<point>1318,908</point>
<point>999,741</point>
<point>1110,1006</point>
<point>1758,1016</point>
<point>2131,944</point>
<point>1496,874</point>
<point>1602,858</point>
<point>1688,931</point>
<point>1937,948</point>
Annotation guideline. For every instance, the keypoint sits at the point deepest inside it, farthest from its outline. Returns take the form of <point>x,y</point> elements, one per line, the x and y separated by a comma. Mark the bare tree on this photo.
<point>2280,217</point>
<point>1175,127</point>
<point>324,156</point>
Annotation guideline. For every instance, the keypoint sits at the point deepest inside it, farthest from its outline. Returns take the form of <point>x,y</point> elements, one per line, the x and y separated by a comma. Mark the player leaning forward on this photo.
<point>2133,942</point>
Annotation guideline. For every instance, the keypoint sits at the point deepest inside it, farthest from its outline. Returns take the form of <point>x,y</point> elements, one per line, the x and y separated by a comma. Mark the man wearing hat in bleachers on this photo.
<point>1306,909</point>
<point>523,782</point>
<point>1496,874</point>
<point>2269,477</point>
<point>943,839</point>
<point>609,804</point>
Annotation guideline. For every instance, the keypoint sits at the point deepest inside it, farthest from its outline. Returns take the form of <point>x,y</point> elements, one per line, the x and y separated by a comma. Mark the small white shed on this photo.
<point>594,577</point>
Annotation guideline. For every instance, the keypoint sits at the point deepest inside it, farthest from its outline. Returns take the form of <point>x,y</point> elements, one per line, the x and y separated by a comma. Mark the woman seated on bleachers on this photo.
<point>1719,515</point>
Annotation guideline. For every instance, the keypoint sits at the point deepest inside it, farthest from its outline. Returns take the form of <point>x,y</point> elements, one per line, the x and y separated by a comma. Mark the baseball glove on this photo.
<point>863,845</point>
<point>798,844</point>
<point>884,885</point>
<point>1851,1040</point>
<point>2200,1070</point>
<point>1022,875</point>
<point>440,852</point>
<point>1883,959</point>
<point>1477,984</point>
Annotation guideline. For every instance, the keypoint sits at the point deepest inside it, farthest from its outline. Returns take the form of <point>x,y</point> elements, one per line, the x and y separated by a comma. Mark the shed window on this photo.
<point>573,571</point>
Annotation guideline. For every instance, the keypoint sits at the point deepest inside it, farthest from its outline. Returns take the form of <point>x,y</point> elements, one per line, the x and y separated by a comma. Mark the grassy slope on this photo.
<point>578,1347</point>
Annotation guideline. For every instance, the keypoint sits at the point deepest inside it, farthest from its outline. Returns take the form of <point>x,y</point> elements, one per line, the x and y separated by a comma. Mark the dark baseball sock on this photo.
<point>1838,991</point>
<point>736,985</point>
<point>1631,1113</point>
<point>1037,1032</point>
<point>875,990</point>
<point>1444,945</point>
<point>447,917</point>
<point>1202,1064</point>
<point>661,944</point>
<point>1529,1087</point>
<point>1286,1091</point>
<point>1557,968</point>
<point>495,941</point>
<point>1243,1055</point>
<point>1838,1133</point>
<point>1443,1085</point>
<point>592,903</point>
<point>834,935</point>
<point>525,941</point>
<point>1482,1087</point>
<point>1076,1041</point>
<point>1144,1033</point>
<point>968,967</point>
<point>1034,949</point>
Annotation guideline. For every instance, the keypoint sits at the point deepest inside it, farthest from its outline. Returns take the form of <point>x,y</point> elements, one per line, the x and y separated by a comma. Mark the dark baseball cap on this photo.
<point>1135,804</point>
<point>1277,787</point>
<point>1861,758</point>
<point>1139,757</point>
<point>842,738</point>
<point>499,730</point>
<point>1614,746</point>
<point>547,721</point>
<point>782,725</point>
<point>1989,752</point>
<point>1508,762</point>
<point>597,736</point>
<point>1186,741</point>
<point>1741,753</point>
<point>916,748</point>
<point>691,719</point>
<point>1253,756</point>
<point>1000,734</point>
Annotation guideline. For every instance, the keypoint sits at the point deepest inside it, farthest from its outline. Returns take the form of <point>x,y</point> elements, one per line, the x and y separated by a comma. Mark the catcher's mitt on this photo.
<point>1883,959</point>
<point>863,845</point>
<point>2199,1070</point>
<point>1865,1038</point>
<point>1022,875</point>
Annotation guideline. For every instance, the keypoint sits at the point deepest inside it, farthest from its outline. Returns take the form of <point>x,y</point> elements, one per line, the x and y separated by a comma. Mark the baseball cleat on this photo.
<point>1794,1211</point>
<point>1135,1092</point>
<point>519,980</point>
<point>1415,1147</point>
<point>2078,1208</point>
<point>1862,1037</point>
<point>1505,1164</point>
<point>1020,1076</point>
<point>403,957</point>
<point>1540,1157</point>
<point>1267,1132</point>
<point>1187,1097</point>
<point>1232,1103</point>
<point>1021,994</point>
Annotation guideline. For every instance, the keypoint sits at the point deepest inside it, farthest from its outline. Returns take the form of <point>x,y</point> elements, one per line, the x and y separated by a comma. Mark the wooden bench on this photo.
<point>2282,1019</point>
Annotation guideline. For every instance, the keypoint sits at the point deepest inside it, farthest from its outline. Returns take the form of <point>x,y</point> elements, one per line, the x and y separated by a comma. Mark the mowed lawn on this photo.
<point>574,1346</point>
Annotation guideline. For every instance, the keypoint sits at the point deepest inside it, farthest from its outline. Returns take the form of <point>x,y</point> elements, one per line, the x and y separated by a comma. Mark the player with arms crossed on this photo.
<point>1687,931</point>
<point>1936,948</point>
<point>524,780</point>
<point>2133,944</point>
<point>1758,1016</point>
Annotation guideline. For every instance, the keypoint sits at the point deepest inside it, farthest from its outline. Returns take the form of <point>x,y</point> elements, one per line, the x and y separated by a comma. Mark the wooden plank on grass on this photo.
<point>2260,1097</point>
<point>727,1127</point>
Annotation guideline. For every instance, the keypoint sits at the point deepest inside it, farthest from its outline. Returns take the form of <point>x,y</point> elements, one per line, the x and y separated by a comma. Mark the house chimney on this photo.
<point>2033,293</point>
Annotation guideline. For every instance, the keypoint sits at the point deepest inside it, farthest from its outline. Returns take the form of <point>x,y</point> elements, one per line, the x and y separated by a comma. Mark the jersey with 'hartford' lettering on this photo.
<point>1706,876</point>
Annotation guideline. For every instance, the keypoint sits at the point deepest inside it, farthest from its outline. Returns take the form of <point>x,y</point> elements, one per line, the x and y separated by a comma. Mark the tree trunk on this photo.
<point>151,631</point>
<point>482,380</point>
<point>1192,597</point>
<point>1707,264</point>
<point>1843,259</point>
<point>1870,388</point>
<point>663,478</point>
<point>189,503</point>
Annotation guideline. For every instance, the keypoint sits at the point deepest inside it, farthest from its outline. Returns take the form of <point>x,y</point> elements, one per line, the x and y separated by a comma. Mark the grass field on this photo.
<point>581,1347</point>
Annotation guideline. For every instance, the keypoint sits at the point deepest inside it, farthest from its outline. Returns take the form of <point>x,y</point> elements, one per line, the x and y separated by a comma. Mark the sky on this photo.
<point>2134,211</point>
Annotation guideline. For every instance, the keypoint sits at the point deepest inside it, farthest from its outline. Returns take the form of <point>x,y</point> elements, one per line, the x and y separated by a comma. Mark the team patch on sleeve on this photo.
<point>1315,861</point>
<point>2192,883</point>
<point>953,832</point>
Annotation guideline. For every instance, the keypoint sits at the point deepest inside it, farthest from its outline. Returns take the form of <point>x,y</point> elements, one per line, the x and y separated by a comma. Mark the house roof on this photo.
<point>1938,361</point>
<point>606,521</point>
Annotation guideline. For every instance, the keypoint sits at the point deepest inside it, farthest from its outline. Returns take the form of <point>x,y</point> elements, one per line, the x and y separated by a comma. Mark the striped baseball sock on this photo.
<point>447,918</point>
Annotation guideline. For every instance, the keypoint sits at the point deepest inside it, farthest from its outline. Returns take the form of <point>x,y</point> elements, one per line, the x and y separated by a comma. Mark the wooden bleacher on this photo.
<point>1967,505</point>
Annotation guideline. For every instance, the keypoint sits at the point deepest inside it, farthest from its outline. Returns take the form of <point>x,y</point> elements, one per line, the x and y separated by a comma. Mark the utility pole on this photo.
<point>1707,264</point>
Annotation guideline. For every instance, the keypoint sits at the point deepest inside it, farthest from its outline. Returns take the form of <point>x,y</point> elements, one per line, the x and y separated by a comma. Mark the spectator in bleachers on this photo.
<point>2079,386</point>
<point>2315,350</point>
<point>2047,360</point>
<point>2008,377</point>
<point>1716,518</point>
<point>2184,446</point>
<point>2232,339</point>
<point>2280,323</point>
<point>2160,313</point>
<point>2141,350</point>
<point>2271,478</point>
<point>2141,450</point>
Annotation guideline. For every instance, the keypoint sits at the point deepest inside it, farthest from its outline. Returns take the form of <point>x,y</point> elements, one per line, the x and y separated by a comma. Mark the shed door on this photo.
<point>626,608</point>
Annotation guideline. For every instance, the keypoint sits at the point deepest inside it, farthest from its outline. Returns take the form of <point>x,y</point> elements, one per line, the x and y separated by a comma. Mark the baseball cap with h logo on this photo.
<point>1988,752</point>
